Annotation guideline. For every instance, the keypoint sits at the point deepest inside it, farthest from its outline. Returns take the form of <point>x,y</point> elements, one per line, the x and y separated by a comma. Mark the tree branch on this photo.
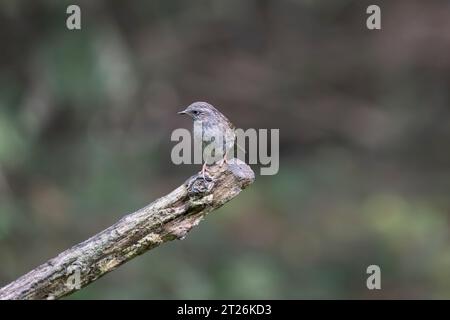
<point>168,218</point>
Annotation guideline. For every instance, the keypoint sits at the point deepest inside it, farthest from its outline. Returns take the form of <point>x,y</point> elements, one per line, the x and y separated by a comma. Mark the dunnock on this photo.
<point>214,131</point>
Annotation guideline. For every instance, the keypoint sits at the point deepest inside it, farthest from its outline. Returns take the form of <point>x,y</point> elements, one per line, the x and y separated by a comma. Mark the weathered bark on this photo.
<point>170,217</point>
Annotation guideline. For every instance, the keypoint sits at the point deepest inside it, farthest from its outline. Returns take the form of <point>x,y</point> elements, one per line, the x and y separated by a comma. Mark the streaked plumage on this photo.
<point>215,128</point>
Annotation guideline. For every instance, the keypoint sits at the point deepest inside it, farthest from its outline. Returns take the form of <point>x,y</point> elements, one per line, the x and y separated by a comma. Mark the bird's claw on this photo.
<point>206,177</point>
<point>222,162</point>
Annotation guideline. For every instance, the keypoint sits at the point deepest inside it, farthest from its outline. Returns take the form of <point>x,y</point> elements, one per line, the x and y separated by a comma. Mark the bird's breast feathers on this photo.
<point>215,133</point>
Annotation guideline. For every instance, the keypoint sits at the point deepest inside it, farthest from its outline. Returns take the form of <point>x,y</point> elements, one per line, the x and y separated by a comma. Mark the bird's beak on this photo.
<point>182,112</point>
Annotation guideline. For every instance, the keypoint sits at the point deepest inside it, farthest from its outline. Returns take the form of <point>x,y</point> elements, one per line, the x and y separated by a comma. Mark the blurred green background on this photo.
<point>364,119</point>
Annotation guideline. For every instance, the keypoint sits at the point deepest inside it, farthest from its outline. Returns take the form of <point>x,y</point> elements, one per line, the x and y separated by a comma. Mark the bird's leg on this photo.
<point>203,171</point>
<point>224,160</point>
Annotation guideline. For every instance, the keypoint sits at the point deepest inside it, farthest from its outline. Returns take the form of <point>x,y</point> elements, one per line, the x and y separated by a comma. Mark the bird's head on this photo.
<point>200,111</point>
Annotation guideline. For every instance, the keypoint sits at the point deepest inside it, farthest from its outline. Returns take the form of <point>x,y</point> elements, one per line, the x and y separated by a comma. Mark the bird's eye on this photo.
<point>195,112</point>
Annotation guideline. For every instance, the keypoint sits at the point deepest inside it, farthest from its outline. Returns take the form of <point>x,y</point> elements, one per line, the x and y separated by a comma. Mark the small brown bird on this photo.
<point>213,130</point>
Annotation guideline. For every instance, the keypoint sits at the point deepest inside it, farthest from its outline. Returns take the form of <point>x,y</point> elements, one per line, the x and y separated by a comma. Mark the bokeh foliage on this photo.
<point>364,119</point>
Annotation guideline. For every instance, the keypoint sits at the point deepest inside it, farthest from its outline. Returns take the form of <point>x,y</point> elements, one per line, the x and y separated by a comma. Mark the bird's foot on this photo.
<point>223,161</point>
<point>206,177</point>
<point>204,173</point>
